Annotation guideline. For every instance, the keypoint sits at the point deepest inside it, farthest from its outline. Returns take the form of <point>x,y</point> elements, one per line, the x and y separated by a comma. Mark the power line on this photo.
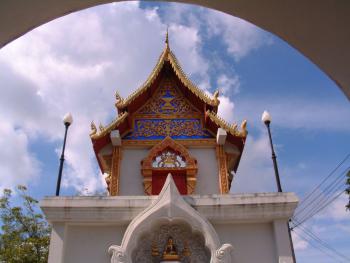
<point>324,180</point>
<point>323,200</point>
<point>313,245</point>
<point>323,197</point>
<point>312,235</point>
<point>309,236</point>
<point>319,210</point>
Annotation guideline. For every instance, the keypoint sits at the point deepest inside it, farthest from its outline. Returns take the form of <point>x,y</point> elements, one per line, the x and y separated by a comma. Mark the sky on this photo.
<point>77,62</point>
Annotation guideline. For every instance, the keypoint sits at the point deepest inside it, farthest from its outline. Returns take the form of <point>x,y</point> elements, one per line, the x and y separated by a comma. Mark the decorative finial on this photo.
<point>167,36</point>
<point>216,96</point>
<point>118,97</point>
<point>93,129</point>
<point>244,128</point>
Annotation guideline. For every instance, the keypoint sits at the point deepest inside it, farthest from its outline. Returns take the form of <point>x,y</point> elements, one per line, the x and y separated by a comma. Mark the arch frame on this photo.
<point>170,206</point>
<point>191,168</point>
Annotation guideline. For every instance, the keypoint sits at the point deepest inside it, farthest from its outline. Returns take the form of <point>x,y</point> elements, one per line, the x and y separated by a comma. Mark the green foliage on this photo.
<point>347,190</point>
<point>25,235</point>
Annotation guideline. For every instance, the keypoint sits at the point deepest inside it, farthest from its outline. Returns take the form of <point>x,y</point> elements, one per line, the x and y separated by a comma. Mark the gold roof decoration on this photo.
<point>227,127</point>
<point>187,82</point>
<point>107,129</point>
<point>167,55</point>
<point>118,98</point>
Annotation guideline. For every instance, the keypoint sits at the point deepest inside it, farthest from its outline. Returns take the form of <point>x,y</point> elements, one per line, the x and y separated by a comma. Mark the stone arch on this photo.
<point>190,170</point>
<point>170,207</point>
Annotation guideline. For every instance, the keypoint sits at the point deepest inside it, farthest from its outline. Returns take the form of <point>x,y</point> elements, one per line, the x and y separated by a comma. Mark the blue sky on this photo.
<point>75,63</point>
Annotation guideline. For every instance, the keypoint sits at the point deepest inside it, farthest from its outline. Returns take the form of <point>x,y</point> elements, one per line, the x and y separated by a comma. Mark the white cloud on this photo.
<point>228,85</point>
<point>255,172</point>
<point>336,210</point>
<point>226,109</point>
<point>240,36</point>
<point>298,242</point>
<point>295,113</point>
<point>17,164</point>
<point>76,63</point>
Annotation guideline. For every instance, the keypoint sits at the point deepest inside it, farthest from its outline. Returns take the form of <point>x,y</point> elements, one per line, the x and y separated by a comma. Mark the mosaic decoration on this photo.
<point>169,159</point>
<point>167,100</point>
<point>148,129</point>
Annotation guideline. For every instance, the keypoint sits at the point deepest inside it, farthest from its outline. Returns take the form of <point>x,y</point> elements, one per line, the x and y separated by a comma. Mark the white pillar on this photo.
<point>56,252</point>
<point>283,246</point>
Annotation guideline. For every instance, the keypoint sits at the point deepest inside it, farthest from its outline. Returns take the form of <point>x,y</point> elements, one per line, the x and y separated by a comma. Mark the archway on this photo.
<point>319,31</point>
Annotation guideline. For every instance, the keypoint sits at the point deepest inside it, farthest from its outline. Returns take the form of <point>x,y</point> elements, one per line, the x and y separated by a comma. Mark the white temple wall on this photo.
<point>131,178</point>
<point>252,242</point>
<point>207,176</point>
<point>130,171</point>
<point>89,244</point>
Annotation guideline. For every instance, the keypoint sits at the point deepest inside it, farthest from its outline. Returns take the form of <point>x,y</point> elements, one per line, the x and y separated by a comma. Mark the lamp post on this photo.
<point>266,118</point>
<point>67,121</point>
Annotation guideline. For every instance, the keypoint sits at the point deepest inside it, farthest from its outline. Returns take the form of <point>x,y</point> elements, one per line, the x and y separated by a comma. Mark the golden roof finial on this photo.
<point>216,96</point>
<point>167,36</point>
<point>93,129</point>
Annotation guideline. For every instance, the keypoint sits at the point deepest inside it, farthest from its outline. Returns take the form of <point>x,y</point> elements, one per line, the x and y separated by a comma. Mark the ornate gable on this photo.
<point>168,105</point>
<point>167,113</point>
<point>168,100</point>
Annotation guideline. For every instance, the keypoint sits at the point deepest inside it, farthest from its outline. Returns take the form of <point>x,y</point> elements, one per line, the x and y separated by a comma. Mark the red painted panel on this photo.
<point>158,181</point>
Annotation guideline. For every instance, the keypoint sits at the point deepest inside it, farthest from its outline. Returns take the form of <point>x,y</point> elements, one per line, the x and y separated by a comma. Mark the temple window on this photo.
<point>169,157</point>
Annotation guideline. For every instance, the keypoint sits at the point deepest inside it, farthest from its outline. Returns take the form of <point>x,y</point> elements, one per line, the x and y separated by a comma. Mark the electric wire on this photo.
<point>337,185</point>
<point>340,187</point>
<point>306,205</point>
<point>325,179</point>
<point>312,235</point>
<point>318,247</point>
<point>320,209</point>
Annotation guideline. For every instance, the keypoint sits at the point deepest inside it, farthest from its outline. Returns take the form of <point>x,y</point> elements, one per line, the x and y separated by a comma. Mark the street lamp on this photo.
<point>266,118</point>
<point>67,121</point>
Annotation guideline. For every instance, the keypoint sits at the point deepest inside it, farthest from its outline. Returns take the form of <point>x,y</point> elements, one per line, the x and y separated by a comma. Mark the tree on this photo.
<point>347,190</point>
<point>25,235</point>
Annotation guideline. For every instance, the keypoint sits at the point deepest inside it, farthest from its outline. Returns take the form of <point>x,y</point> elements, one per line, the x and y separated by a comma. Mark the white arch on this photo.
<point>170,206</point>
<point>319,31</point>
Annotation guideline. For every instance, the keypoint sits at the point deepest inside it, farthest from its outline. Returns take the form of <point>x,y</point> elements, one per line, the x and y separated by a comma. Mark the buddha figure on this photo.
<point>170,251</point>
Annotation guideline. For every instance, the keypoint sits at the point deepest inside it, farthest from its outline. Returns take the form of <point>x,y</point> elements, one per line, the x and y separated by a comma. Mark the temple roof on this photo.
<point>130,106</point>
<point>168,56</point>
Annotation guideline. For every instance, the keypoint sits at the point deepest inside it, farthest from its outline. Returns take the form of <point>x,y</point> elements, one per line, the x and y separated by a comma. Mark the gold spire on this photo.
<point>167,37</point>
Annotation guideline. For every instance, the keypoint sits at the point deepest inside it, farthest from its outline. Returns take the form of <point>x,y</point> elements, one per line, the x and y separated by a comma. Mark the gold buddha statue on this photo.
<point>170,251</point>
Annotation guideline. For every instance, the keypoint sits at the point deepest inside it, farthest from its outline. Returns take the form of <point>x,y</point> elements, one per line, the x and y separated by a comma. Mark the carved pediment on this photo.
<point>170,208</point>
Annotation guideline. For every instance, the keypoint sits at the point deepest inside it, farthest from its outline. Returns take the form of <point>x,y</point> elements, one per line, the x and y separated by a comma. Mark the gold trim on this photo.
<point>191,164</point>
<point>227,127</point>
<point>167,55</point>
<point>165,116</point>
<point>109,127</point>
<point>198,143</point>
<point>115,169</point>
<point>223,171</point>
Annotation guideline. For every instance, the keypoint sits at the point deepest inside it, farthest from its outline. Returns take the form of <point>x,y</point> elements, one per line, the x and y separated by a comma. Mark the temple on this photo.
<point>168,125</point>
<point>169,162</point>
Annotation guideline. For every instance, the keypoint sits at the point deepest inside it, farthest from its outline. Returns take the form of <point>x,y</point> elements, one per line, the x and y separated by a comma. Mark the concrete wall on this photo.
<point>251,242</point>
<point>208,175</point>
<point>90,243</point>
<point>131,179</point>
